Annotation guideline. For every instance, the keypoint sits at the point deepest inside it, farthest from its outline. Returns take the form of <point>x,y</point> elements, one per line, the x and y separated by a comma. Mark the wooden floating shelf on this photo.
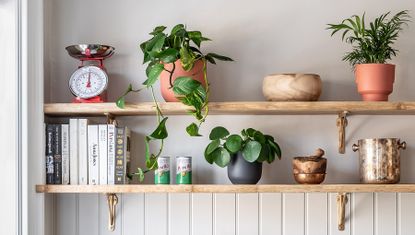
<point>208,188</point>
<point>248,108</point>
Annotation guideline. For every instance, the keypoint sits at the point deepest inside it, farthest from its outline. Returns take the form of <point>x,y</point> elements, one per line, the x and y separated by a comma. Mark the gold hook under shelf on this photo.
<point>110,118</point>
<point>341,210</point>
<point>112,200</point>
<point>341,123</point>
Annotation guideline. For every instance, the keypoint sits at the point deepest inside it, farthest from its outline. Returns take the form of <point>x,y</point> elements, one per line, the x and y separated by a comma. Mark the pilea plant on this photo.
<point>254,145</point>
<point>371,44</point>
<point>163,49</point>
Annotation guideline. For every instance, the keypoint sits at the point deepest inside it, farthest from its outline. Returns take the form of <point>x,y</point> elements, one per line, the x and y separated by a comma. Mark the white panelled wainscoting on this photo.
<point>240,214</point>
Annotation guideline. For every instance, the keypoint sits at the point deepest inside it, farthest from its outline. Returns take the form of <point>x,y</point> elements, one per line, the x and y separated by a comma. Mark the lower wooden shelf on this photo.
<point>211,188</point>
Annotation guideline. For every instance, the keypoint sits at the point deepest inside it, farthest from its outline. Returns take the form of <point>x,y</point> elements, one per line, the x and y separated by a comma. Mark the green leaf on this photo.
<point>169,55</point>
<point>158,29</point>
<point>187,58</point>
<point>147,149</point>
<point>177,28</point>
<point>193,130</point>
<point>140,174</point>
<point>251,151</point>
<point>250,132</point>
<point>218,132</point>
<point>233,143</point>
<point>156,43</point>
<point>121,102</point>
<point>153,73</point>
<point>210,59</point>
<point>258,136</point>
<point>209,157</point>
<point>219,57</point>
<point>264,154</point>
<point>196,37</point>
<point>212,146</point>
<point>275,147</point>
<point>221,156</point>
<point>161,131</point>
<point>185,85</point>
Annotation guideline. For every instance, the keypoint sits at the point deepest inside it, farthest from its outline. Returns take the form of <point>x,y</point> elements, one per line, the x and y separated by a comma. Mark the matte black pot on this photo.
<point>241,171</point>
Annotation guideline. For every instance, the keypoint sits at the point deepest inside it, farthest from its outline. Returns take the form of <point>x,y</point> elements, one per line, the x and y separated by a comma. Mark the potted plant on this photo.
<point>372,48</point>
<point>176,59</point>
<point>242,154</point>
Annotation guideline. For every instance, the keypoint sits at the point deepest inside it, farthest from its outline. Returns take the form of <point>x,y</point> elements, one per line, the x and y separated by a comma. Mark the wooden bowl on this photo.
<point>292,87</point>
<point>312,178</point>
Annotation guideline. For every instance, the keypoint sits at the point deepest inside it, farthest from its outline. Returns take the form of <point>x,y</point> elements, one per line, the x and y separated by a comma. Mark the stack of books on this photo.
<point>84,153</point>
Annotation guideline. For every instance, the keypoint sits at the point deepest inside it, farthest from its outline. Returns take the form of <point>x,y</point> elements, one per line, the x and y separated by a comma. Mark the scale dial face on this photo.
<point>88,81</point>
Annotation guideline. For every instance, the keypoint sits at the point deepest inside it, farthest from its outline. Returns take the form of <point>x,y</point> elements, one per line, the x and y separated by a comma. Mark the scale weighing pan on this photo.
<point>82,51</point>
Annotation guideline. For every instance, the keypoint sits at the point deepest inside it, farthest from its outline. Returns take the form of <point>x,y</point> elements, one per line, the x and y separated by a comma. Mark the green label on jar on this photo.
<point>162,177</point>
<point>184,177</point>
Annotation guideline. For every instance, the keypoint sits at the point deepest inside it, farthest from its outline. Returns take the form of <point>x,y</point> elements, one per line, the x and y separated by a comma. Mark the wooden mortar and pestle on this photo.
<point>310,169</point>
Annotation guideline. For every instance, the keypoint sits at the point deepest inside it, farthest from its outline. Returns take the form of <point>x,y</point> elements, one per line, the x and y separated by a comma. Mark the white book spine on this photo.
<point>111,154</point>
<point>73,151</point>
<point>93,155</point>
<point>65,154</point>
<point>103,153</point>
<point>83,151</point>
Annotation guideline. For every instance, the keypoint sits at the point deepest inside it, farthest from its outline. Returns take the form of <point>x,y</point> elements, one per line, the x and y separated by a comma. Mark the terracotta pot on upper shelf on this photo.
<point>196,73</point>
<point>292,87</point>
<point>375,81</point>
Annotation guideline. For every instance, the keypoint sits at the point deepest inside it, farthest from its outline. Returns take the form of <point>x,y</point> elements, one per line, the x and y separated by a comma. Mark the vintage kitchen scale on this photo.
<point>89,82</point>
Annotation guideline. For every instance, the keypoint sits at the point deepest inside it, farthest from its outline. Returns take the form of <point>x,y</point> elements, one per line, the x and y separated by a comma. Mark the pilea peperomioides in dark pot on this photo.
<point>372,48</point>
<point>177,60</point>
<point>242,154</point>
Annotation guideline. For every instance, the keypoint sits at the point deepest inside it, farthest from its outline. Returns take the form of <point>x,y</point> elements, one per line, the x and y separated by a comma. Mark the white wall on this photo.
<point>263,37</point>
<point>8,119</point>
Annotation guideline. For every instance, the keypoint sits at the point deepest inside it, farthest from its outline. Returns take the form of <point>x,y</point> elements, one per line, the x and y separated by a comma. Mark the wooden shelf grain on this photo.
<point>209,188</point>
<point>248,108</point>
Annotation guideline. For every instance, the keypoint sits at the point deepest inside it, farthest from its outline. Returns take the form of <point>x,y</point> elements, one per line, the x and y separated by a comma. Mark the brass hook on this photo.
<point>341,123</point>
<point>111,118</point>
<point>341,210</point>
<point>112,203</point>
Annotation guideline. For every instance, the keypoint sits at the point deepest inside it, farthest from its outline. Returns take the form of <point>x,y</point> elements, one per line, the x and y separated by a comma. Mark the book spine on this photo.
<point>93,155</point>
<point>57,154</point>
<point>119,156</point>
<point>111,153</point>
<point>73,151</point>
<point>65,154</point>
<point>50,174</point>
<point>127,154</point>
<point>103,153</point>
<point>83,151</point>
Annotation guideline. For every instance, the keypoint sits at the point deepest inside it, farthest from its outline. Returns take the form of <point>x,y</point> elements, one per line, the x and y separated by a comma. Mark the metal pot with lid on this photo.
<point>379,160</point>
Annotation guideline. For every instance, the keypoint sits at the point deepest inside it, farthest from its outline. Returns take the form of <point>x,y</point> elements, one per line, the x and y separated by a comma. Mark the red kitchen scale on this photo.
<point>90,81</point>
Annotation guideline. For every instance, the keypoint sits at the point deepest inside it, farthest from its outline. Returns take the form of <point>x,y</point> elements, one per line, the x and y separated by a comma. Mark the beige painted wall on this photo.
<point>263,37</point>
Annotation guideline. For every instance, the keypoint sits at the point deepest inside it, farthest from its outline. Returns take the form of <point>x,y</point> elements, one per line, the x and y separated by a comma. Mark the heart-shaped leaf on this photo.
<point>212,146</point>
<point>251,151</point>
<point>184,86</point>
<point>221,156</point>
<point>233,143</point>
<point>193,130</point>
<point>218,132</point>
<point>161,131</point>
<point>153,73</point>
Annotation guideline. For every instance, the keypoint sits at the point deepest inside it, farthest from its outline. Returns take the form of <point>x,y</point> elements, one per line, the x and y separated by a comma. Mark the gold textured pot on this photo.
<point>310,169</point>
<point>379,160</point>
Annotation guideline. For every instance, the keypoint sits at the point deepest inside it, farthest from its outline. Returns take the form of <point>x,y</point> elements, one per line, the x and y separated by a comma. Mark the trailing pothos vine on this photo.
<point>161,49</point>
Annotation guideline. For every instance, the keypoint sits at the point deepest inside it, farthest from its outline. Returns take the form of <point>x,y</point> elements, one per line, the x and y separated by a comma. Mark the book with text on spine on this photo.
<point>93,155</point>
<point>122,155</point>
<point>83,151</point>
<point>57,152</point>
<point>65,154</point>
<point>111,154</point>
<point>50,174</point>
<point>103,153</point>
<point>73,151</point>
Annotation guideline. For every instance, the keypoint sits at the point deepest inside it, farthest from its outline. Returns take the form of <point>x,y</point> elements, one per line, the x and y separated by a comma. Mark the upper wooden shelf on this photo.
<point>208,188</point>
<point>252,108</point>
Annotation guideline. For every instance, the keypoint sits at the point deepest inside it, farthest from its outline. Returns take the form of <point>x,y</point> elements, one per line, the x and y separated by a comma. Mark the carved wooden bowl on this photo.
<point>292,87</point>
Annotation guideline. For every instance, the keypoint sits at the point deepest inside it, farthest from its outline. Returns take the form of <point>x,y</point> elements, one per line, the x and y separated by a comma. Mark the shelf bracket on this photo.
<point>341,123</point>
<point>341,210</point>
<point>110,118</point>
<point>112,200</point>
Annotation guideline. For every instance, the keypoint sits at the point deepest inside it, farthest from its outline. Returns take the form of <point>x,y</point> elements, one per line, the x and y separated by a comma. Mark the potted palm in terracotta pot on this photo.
<point>242,154</point>
<point>372,48</point>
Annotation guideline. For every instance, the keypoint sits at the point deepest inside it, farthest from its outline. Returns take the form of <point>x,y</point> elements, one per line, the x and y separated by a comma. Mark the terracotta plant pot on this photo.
<point>292,87</point>
<point>375,81</point>
<point>196,73</point>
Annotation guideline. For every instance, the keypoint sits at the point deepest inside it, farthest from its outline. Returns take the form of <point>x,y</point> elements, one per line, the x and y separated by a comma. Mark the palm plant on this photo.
<point>371,44</point>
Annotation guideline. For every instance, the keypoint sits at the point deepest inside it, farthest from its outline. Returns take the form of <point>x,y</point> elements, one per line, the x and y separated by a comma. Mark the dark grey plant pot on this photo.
<point>241,171</point>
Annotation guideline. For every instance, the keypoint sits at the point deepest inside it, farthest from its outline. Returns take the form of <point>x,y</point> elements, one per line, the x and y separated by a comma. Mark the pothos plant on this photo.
<point>253,144</point>
<point>162,49</point>
<point>371,43</point>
